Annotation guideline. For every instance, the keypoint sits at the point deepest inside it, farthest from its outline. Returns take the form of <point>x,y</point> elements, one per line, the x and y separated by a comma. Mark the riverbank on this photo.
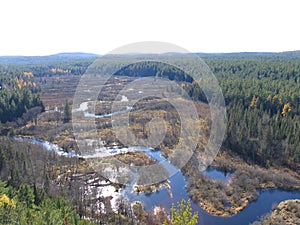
<point>215,197</point>
<point>226,199</point>
<point>287,212</point>
<point>111,193</point>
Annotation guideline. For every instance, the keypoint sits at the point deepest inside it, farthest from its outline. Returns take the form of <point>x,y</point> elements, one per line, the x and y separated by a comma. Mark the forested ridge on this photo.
<point>261,92</point>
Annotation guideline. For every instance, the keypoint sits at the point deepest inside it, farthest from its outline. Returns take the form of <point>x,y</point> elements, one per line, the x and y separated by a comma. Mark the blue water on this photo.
<point>263,205</point>
<point>163,198</point>
<point>48,146</point>
<point>250,214</point>
<point>217,174</point>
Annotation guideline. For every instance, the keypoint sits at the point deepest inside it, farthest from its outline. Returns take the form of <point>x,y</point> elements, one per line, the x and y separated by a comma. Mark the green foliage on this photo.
<point>21,209</point>
<point>261,92</point>
<point>18,94</point>
<point>182,214</point>
<point>25,195</point>
<point>3,187</point>
<point>154,69</point>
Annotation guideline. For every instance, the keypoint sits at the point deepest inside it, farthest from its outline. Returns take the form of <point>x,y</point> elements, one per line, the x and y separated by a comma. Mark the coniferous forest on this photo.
<point>262,96</point>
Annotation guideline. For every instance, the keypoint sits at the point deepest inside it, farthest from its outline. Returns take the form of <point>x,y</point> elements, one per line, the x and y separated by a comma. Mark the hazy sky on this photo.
<point>42,27</point>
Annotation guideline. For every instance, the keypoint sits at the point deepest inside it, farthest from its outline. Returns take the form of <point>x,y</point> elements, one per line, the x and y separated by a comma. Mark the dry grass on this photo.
<point>287,212</point>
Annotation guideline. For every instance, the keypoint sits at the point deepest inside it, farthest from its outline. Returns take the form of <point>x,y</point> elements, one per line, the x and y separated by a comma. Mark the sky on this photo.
<point>44,27</point>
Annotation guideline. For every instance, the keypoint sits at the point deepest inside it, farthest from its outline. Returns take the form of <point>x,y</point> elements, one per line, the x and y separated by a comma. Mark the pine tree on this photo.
<point>67,112</point>
<point>182,214</point>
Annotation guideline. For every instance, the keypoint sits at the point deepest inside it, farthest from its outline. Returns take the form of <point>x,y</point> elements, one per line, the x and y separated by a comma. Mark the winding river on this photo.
<point>250,214</point>
<point>267,198</point>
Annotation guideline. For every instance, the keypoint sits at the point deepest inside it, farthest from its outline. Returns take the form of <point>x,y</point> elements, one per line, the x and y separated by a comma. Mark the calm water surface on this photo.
<point>267,198</point>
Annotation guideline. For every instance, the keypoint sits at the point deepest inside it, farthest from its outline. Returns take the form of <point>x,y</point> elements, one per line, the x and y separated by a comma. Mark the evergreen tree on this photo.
<point>182,214</point>
<point>67,112</point>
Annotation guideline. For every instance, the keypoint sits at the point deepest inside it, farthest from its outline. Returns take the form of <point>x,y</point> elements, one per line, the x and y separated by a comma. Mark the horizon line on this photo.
<point>153,53</point>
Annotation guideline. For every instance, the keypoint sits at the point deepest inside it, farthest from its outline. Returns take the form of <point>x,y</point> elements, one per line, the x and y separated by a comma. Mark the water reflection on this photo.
<point>164,197</point>
<point>217,174</point>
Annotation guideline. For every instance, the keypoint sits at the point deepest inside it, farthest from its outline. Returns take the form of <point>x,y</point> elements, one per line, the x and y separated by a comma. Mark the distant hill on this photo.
<point>75,55</point>
<point>288,55</point>
<point>79,56</point>
<point>27,60</point>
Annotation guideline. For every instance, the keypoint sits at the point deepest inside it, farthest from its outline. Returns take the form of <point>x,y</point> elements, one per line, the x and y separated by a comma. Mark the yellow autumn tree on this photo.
<point>28,74</point>
<point>286,109</point>
<point>254,101</point>
<point>5,200</point>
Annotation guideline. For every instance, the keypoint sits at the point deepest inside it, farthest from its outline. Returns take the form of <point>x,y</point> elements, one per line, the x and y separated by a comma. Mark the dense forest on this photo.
<point>18,95</point>
<point>261,92</point>
<point>24,205</point>
<point>263,106</point>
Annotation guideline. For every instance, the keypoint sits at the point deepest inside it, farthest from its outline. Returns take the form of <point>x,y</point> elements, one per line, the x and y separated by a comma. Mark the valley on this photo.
<point>259,157</point>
